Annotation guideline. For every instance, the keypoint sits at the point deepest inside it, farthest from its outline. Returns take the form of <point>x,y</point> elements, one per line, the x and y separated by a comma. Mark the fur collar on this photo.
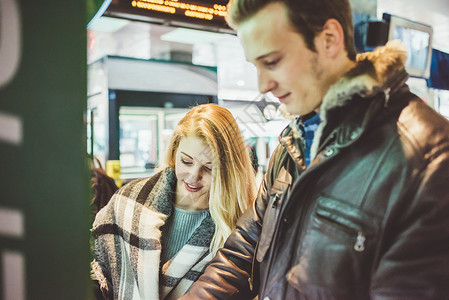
<point>371,75</point>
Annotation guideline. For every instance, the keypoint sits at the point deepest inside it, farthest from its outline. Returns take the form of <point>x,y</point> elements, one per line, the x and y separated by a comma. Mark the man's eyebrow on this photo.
<point>265,55</point>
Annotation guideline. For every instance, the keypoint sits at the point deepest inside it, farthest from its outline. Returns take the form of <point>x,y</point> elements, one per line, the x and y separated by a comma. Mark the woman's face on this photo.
<point>193,168</point>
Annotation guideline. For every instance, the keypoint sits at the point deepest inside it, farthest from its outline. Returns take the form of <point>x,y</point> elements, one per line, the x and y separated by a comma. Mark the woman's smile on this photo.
<point>192,188</point>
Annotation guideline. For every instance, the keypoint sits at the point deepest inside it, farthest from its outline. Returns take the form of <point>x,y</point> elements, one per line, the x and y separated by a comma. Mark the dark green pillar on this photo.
<point>44,213</point>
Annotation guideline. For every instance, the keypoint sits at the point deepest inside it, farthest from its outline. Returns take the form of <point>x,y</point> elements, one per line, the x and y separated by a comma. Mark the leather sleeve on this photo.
<point>415,262</point>
<point>227,276</point>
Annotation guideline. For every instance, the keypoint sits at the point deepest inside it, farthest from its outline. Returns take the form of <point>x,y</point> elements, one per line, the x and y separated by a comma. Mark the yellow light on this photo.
<point>191,10</point>
<point>156,7</point>
<point>198,15</point>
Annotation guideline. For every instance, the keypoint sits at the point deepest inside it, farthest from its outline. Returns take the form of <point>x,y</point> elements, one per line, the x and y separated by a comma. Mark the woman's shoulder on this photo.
<point>140,183</point>
<point>162,182</point>
<point>136,190</point>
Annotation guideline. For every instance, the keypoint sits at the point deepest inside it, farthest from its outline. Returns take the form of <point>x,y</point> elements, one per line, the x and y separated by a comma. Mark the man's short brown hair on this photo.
<point>307,16</point>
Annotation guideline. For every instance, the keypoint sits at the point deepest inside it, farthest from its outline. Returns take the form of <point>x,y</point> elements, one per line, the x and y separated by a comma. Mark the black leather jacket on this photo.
<point>369,219</point>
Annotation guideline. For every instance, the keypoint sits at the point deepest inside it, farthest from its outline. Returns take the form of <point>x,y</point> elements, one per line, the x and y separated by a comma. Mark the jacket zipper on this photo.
<point>251,277</point>
<point>359,244</point>
<point>282,210</point>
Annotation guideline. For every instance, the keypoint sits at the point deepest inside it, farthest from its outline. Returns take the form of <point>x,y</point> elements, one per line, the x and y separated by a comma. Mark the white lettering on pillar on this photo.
<point>13,275</point>
<point>10,52</point>
<point>12,262</point>
<point>10,37</point>
<point>10,130</point>
<point>11,223</point>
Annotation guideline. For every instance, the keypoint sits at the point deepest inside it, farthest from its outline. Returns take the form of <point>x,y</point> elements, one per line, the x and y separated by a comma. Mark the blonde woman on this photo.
<point>157,234</point>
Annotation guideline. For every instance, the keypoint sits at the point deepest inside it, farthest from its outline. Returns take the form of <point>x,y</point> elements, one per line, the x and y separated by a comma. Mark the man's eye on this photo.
<point>271,63</point>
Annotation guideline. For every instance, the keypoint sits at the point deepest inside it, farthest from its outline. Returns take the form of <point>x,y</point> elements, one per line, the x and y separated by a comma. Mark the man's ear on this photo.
<point>331,40</point>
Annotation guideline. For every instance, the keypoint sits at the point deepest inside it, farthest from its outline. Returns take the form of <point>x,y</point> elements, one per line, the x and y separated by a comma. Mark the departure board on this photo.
<point>210,13</point>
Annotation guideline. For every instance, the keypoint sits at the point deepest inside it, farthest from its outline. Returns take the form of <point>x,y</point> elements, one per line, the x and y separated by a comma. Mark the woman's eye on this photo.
<point>208,169</point>
<point>186,162</point>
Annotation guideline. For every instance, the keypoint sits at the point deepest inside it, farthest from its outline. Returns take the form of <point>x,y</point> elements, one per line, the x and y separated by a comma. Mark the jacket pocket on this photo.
<point>348,222</point>
<point>277,194</point>
<point>336,251</point>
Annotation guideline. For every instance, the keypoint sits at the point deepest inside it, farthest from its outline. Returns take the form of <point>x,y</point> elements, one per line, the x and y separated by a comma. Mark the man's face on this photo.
<point>286,67</point>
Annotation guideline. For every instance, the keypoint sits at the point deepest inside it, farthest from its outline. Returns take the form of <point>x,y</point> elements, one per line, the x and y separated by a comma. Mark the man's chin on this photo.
<point>291,113</point>
<point>285,112</point>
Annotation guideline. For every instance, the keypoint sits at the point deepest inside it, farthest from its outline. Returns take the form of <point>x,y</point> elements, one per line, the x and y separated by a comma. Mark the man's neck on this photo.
<point>342,66</point>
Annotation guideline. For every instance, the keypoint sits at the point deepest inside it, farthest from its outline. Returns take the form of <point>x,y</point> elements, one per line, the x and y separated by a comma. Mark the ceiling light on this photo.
<point>191,36</point>
<point>107,24</point>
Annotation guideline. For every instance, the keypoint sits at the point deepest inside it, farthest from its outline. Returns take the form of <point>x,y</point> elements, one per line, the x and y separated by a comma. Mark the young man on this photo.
<point>368,218</point>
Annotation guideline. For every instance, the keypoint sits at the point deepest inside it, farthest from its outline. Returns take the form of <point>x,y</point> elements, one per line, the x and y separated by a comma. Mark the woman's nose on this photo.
<point>195,174</point>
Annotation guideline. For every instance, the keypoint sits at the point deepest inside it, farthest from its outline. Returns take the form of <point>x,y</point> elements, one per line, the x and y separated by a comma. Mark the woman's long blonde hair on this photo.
<point>233,185</point>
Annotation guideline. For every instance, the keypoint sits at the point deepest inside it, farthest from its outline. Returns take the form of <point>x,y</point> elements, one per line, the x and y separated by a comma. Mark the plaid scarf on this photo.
<point>127,244</point>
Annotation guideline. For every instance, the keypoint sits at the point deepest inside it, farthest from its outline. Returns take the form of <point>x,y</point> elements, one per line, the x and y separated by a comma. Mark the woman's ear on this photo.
<point>331,40</point>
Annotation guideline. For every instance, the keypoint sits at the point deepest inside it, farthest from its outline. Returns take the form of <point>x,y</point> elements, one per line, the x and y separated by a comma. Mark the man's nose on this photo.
<point>265,82</point>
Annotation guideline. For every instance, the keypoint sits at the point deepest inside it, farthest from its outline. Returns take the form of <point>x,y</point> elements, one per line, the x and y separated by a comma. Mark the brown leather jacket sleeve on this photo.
<point>416,264</point>
<point>227,276</point>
